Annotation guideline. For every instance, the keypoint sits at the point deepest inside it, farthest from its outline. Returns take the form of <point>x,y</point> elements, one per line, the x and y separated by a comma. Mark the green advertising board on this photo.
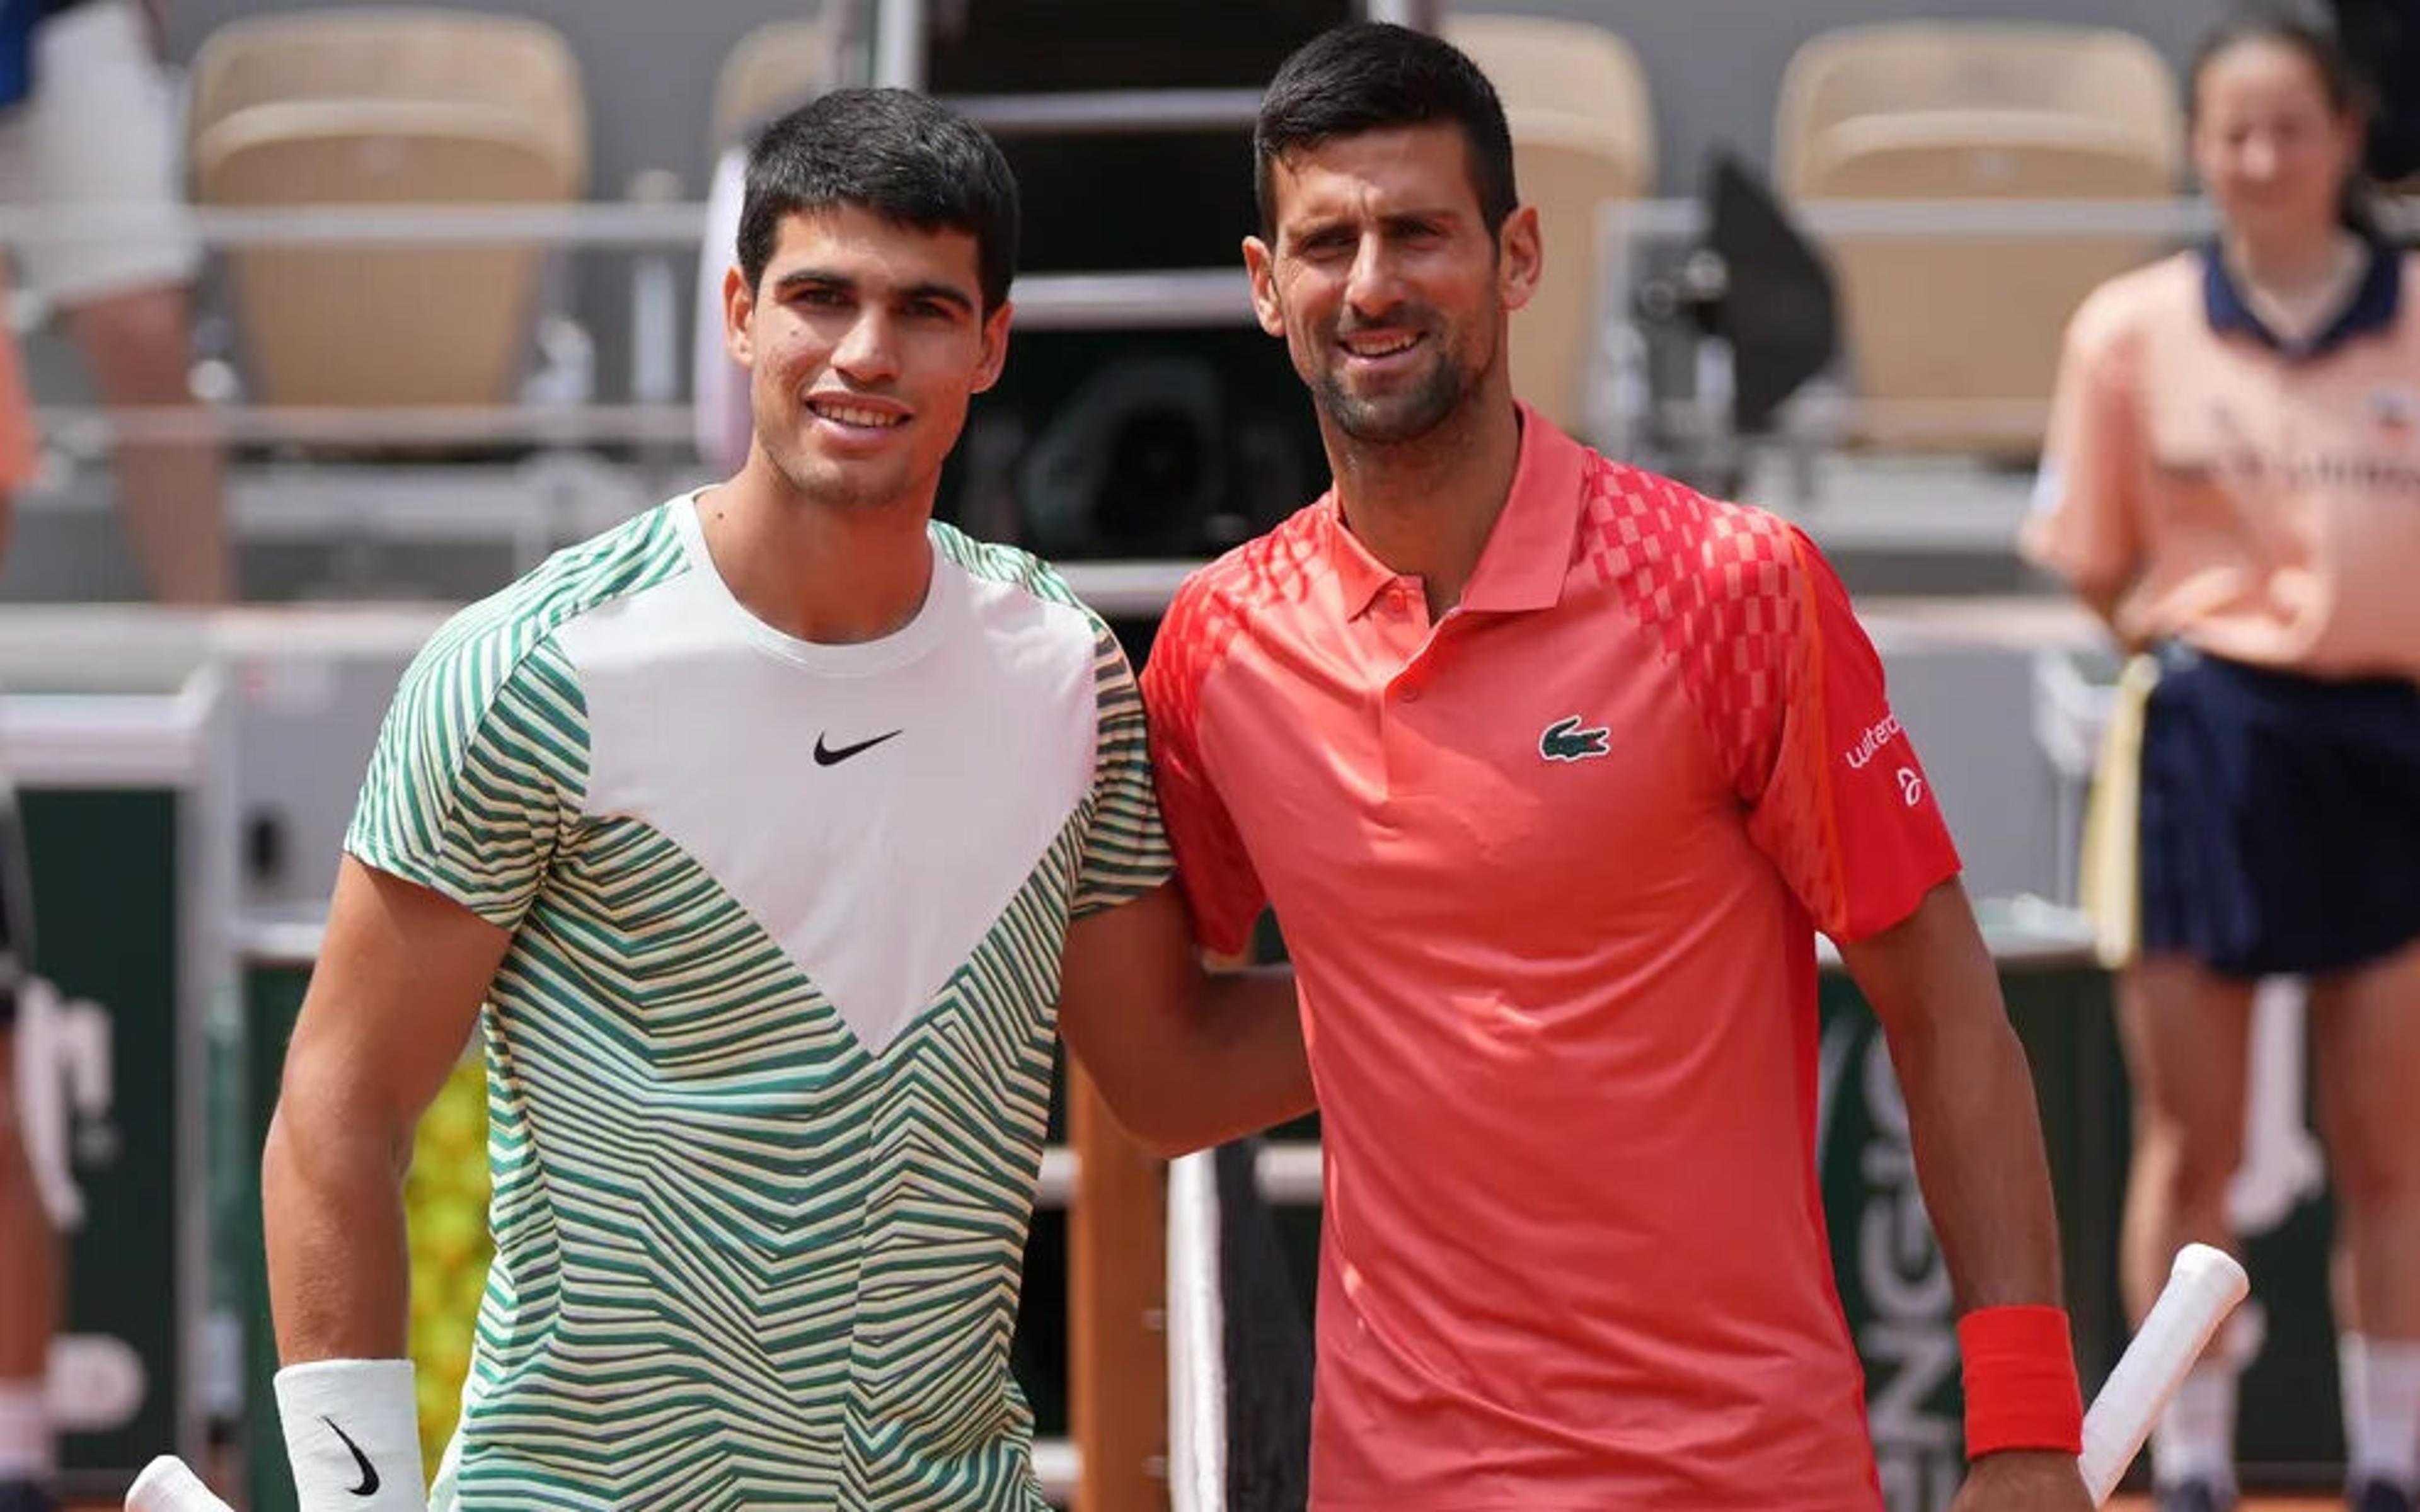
<point>117,808</point>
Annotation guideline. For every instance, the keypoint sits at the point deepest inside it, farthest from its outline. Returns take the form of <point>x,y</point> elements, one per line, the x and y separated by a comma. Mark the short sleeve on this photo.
<point>1222,891</point>
<point>2084,525</point>
<point>1836,795</point>
<point>1126,847</point>
<point>477,776</point>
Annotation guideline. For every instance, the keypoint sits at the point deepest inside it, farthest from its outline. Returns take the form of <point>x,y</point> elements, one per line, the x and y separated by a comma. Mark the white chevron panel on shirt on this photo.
<point>878,872</point>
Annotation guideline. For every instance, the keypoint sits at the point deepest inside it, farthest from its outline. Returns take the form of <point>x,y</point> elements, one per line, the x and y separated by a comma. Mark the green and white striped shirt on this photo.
<point>770,1055</point>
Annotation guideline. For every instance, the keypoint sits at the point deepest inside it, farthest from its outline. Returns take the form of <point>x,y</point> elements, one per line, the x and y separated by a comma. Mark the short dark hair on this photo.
<point>1373,76</point>
<point>2347,91</point>
<point>899,155</point>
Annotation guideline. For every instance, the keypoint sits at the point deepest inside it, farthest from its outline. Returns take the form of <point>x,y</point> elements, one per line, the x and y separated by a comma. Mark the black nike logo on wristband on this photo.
<point>834,755</point>
<point>369,1473</point>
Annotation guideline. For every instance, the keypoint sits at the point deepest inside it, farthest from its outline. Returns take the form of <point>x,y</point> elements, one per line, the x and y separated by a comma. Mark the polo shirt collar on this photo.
<point>1529,552</point>
<point>2373,308</point>
<point>1361,577</point>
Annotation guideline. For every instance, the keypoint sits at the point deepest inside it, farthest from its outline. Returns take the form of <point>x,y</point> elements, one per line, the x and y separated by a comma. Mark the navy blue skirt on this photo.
<point>2281,817</point>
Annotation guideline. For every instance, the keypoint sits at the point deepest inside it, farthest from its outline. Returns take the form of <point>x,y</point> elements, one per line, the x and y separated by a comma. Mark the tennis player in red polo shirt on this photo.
<point>1551,768</point>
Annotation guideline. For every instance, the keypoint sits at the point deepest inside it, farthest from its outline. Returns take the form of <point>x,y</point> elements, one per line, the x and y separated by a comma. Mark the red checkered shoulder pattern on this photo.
<point>1720,587</point>
<point>1761,636</point>
<point>1221,889</point>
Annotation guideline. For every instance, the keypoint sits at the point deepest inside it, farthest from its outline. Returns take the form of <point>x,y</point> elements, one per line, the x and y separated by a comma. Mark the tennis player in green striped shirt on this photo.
<point>780,832</point>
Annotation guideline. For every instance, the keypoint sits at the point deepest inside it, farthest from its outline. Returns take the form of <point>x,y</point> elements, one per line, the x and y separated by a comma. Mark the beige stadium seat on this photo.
<point>1955,340</point>
<point>777,67</point>
<point>1582,134</point>
<point>386,107</point>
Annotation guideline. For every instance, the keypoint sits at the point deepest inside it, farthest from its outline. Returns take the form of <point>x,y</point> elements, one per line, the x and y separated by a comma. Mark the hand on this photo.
<point>2024,1480</point>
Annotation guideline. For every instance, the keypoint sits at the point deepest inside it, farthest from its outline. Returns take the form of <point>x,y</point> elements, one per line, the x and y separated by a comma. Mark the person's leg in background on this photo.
<point>29,1305</point>
<point>2187,1034</point>
<point>2366,1032</point>
<point>100,129</point>
<point>30,1248</point>
<point>29,1256</point>
<point>171,492</point>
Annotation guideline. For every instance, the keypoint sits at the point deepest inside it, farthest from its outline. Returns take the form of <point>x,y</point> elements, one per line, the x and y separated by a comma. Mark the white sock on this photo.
<point>2194,1439</point>
<point>2382,1409</point>
<point>26,1447</point>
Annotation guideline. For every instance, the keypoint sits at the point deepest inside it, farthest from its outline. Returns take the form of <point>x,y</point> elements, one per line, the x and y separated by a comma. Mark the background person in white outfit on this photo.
<point>97,129</point>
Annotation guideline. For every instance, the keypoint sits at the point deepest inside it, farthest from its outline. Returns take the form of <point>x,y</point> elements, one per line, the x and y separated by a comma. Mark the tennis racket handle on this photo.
<point>2204,1286</point>
<point>166,1485</point>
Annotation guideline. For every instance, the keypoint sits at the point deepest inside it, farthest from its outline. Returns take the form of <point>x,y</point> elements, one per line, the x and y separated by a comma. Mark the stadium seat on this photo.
<point>775,67</point>
<point>386,107</point>
<point>1954,340</point>
<point>1582,134</point>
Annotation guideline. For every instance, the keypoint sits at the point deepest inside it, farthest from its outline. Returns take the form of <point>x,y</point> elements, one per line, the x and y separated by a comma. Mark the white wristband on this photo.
<point>353,1435</point>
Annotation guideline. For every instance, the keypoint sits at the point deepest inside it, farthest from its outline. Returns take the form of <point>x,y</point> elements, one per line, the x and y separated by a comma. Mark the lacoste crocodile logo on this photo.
<point>1565,741</point>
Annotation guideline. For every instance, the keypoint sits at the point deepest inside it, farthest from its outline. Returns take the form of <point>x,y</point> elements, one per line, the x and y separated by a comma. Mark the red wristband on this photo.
<point>2021,1389</point>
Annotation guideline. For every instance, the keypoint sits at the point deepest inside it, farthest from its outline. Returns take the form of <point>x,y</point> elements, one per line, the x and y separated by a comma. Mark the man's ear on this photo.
<point>1260,265</point>
<point>1520,257</point>
<point>738,307</point>
<point>995,345</point>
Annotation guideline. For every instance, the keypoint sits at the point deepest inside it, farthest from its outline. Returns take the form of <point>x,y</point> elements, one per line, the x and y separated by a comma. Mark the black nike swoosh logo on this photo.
<point>830,756</point>
<point>369,1473</point>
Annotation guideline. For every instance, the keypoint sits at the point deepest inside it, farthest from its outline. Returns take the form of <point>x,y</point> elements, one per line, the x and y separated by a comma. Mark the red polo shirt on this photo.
<point>1550,870</point>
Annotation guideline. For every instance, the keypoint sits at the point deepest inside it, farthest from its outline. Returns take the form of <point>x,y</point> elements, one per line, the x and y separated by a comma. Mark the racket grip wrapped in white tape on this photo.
<point>166,1485</point>
<point>2203,1287</point>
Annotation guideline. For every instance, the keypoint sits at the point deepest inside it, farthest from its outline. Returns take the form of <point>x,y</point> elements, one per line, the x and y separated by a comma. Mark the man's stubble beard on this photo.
<point>1397,418</point>
<point>1444,393</point>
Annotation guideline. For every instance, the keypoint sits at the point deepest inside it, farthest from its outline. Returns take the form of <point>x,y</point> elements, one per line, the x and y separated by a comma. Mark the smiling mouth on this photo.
<point>1371,349</point>
<point>856,416</point>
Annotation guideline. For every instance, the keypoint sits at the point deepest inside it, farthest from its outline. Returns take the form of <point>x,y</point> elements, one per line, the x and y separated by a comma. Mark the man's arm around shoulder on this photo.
<point>1187,1057</point>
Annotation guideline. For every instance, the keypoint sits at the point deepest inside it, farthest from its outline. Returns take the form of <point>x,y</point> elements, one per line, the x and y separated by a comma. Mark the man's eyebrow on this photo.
<point>949,294</point>
<point>800,277</point>
<point>1413,219</point>
<point>934,289</point>
<point>1318,226</point>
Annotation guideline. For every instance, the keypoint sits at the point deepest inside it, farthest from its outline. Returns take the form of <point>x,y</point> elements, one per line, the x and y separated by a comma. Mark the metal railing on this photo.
<point>1619,413</point>
<point>1200,298</point>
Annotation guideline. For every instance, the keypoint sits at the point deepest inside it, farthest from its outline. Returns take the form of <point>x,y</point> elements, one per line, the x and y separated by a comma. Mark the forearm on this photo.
<point>1248,1034</point>
<point>1185,1056</point>
<point>339,1285</point>
<point>1226,1060</point>
<point>339,1267</point>
<point>1979,1162</point>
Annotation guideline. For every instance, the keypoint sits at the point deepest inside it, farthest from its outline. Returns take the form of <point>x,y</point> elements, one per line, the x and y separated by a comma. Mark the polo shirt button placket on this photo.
<point>1403,690</point>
